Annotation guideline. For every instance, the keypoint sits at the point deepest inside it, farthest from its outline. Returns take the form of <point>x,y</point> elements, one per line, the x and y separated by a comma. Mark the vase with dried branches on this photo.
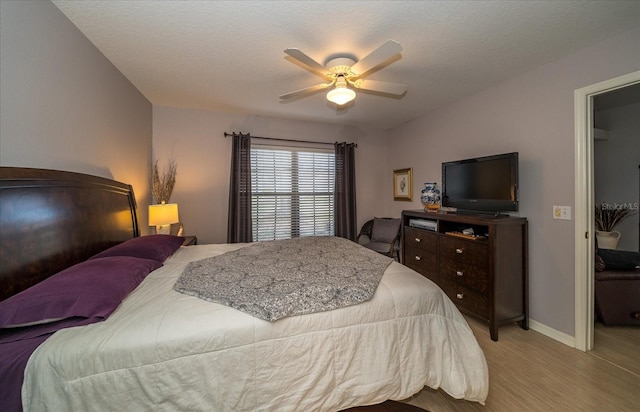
<point>162,183</point>
<point>607,217</point>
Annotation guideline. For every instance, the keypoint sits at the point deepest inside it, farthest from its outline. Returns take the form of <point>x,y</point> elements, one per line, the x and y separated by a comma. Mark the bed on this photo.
<point>154,348</point>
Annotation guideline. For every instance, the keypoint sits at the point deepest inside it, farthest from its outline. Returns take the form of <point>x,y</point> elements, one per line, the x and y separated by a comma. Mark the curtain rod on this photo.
<point>282,140</point>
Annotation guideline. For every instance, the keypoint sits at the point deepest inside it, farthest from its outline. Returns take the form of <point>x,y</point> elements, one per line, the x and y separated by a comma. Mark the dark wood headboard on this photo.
<point>51,220</point>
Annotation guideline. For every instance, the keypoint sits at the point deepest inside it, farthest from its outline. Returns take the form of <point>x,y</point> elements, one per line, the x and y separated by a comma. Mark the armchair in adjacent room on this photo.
<point>381,235</point>
<point>617,287</point>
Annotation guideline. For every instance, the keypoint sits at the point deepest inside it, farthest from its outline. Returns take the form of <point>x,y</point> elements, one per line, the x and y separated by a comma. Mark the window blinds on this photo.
<point>292,192</point>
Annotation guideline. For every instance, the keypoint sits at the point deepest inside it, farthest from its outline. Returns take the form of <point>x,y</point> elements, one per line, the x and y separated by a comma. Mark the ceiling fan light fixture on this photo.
<point>346,75</point>
<point>341,94</point>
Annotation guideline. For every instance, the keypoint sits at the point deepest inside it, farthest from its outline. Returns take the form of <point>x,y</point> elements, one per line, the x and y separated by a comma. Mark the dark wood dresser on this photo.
<point>484,274</point>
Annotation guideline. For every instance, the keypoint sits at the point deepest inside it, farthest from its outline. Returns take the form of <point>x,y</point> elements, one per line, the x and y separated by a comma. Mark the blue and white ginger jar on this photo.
<point>430,197</point>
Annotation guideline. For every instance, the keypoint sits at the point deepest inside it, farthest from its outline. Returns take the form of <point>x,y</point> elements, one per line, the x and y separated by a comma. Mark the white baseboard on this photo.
<point>552,333</point>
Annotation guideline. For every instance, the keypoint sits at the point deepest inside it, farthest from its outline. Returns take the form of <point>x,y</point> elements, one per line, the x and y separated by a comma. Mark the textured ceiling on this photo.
<point>229,55</point>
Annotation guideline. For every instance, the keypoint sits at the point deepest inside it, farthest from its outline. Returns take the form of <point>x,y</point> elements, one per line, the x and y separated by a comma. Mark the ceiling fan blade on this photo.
<point>381,87</point>
<point>308,62</point>
<point>376,57</point>
<point>306,90</point>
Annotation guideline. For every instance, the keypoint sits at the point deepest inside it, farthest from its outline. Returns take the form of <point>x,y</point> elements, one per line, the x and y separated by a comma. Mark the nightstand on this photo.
<point>190,240</point>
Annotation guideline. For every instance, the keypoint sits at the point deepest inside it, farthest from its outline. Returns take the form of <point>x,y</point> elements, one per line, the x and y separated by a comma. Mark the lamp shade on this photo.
<point>164,214</point>
<point>341,94</point>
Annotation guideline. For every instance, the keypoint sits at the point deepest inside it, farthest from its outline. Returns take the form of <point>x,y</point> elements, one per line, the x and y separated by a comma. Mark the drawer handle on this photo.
<point>418,258</point>
<point>460,295</point>
<point>459,251</point>
<point>459,273</point>
<point>418,240</point>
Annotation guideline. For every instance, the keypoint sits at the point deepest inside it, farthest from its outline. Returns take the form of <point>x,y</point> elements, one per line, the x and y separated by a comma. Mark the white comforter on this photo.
<point>165,351</point>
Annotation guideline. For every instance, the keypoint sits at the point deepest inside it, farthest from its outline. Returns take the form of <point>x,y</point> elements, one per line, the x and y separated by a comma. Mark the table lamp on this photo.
<point>162,216</point>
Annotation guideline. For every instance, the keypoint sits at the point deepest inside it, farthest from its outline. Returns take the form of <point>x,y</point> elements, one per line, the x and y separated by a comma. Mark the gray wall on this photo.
<point>532,114</point>
<point>616,161</point>
<point>64,106</point>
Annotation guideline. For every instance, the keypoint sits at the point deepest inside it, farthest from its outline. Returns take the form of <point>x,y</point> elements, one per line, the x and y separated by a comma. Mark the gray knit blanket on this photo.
<point>280,278</point>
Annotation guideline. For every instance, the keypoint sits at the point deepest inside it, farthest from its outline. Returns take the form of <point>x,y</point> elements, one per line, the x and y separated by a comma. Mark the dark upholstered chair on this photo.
<point>381,235</point>
<point>617,287</point>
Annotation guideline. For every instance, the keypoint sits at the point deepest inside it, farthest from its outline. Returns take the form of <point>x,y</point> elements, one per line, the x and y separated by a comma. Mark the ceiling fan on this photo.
<point>346,74</point>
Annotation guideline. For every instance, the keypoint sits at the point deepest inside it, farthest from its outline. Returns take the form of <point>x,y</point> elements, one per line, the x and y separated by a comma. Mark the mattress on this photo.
<point>162,350</point>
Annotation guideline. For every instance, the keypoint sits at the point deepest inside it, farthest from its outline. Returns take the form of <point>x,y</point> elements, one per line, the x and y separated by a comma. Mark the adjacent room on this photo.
<point>306,205</point>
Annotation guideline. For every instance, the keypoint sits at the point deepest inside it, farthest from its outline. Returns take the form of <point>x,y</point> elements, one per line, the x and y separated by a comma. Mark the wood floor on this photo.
<point>619,345</point>
<point>529,371</point>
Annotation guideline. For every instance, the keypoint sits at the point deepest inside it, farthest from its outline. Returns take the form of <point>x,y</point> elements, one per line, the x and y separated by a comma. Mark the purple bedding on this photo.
<point>16,346</point>
<point>156,247</point>
<point>88,290</point>
<point>12,363</point>
<point>82,294</point>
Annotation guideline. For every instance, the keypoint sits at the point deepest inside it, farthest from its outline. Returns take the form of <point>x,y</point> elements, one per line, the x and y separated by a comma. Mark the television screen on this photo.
<point>483,184</point>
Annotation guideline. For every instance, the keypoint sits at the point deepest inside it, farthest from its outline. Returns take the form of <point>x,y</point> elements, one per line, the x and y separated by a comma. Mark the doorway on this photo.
<point>584,204</point>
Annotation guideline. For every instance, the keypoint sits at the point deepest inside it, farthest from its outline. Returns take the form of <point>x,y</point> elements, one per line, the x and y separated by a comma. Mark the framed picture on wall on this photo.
<point>402,184</point>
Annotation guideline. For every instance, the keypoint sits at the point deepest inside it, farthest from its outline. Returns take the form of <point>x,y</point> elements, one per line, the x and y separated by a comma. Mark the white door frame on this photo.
<point>584,203</point>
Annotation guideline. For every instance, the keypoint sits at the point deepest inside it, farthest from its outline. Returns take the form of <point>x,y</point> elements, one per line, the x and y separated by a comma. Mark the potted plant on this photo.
<point>607,217</point>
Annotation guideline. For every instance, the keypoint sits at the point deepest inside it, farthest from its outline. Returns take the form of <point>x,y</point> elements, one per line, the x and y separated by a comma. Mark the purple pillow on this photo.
<point>90,290</point>
<point>156,247</point>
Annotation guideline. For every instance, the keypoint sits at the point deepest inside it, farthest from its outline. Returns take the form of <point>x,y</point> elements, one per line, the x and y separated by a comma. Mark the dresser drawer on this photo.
<point>466,298</point>
<point>474,252</point>
<point>422,239</point>
<point>465,274</point>
<point>485,277</point>
<point>421,260</point>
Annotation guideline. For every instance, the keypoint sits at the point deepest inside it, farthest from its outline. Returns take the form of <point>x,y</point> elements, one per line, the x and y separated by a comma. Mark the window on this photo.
<point>291,192</point>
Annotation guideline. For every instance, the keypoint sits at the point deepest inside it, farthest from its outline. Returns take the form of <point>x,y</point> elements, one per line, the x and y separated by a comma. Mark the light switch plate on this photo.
<point>562,212</point>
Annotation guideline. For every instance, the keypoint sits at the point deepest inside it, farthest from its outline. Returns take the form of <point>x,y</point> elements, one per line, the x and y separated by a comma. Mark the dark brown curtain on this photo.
<point>239,226</point>
<point>345,192</point>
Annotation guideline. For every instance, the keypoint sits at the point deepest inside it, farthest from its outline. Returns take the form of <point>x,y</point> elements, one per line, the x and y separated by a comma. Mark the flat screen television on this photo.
<point>486,184</point>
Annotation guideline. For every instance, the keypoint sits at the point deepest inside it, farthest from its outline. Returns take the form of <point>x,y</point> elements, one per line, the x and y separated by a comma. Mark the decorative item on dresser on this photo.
<point>430,197</point>
<point>480,261</point>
